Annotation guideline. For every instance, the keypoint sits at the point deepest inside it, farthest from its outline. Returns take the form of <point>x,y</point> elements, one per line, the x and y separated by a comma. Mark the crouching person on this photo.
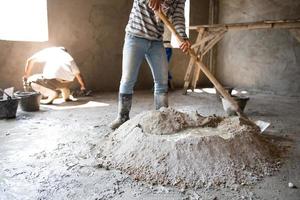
<point>59,71</point>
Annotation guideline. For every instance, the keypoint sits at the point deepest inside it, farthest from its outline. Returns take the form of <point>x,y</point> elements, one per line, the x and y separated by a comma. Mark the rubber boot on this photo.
<point>161,100</point>
<point>125,101</point>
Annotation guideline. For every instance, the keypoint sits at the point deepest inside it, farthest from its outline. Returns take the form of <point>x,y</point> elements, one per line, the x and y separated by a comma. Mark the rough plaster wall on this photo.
<point>93,32</point>
<point>259,59</point>
<point>90,30</point>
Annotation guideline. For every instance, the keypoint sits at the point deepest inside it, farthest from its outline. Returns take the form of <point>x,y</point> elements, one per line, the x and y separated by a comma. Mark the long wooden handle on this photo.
<point>209,75</point>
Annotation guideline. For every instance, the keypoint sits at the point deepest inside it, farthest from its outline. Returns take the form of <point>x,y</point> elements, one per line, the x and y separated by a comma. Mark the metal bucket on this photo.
<point>30,101</point>
<point>8,108</point>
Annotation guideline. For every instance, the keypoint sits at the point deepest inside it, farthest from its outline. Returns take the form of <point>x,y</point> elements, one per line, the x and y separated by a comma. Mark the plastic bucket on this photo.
<point>8,108</point>
<point>30,101</point>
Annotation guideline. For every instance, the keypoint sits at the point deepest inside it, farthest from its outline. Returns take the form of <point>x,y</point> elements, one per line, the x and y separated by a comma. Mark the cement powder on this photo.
<point>168,147</point>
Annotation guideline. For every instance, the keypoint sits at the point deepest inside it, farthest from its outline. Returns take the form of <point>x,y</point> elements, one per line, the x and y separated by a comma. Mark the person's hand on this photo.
<point>82,88</point>
<point>185,46</point>
<point>24,79</point>
<point>154,4</point>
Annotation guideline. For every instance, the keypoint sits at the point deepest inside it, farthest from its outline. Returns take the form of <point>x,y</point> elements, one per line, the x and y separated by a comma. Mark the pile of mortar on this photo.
<point>188,150</point>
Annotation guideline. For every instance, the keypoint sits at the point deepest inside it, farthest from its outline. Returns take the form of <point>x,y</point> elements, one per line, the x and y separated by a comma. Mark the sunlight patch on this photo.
<point>57,105</point>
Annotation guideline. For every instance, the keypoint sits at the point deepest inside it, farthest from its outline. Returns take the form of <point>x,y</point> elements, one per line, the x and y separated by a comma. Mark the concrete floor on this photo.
<point>51,154</point>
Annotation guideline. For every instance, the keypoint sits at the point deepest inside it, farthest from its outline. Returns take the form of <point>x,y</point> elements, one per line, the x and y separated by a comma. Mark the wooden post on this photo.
<point>213,19</point>
<point>197,70</point>
<point>190,68</point>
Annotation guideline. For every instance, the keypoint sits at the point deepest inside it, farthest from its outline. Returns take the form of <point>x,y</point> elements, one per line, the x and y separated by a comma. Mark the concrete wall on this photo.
<point>259,59</point>
<point>93,32</point>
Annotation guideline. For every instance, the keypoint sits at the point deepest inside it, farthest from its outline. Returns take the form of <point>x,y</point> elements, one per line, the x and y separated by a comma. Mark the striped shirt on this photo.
<point>143,22</point>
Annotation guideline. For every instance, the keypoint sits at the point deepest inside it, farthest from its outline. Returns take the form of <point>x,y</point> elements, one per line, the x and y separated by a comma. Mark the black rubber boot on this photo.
<point>161,100</point>
<point>125,101</point>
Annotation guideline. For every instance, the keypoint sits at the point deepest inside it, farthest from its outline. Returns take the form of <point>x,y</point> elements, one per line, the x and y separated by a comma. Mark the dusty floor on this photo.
<point>51,154</point>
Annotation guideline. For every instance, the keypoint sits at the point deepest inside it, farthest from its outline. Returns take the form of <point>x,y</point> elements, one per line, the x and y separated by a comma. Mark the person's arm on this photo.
<point>75,70</point>
<point>178,20</point>
<point>28,67</point>
<point>80,81</point>
<point>38,57</point>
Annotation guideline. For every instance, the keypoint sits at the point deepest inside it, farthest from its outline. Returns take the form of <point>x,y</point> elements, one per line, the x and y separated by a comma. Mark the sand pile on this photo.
<point>168,147</point>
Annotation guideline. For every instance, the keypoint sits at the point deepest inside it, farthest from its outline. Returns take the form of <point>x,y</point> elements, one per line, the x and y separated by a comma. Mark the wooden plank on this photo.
<point>197,70</point>
<point>259,26</point>
<point>187,78</point>
<point>249,27</point>
<point>283,24</point>
<point>212,43</point>
<point>203,40</point>
<point>196,76</point>
<point>286,25</point>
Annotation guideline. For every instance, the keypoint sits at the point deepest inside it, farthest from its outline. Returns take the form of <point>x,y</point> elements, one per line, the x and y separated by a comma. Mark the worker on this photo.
<point>144,39</point>
<point>59,70</point>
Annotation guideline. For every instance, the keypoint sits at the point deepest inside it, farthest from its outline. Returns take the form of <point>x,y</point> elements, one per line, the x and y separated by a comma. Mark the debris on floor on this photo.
<point>187,150</point>
<point>291,185</point>
<point>81,93</point>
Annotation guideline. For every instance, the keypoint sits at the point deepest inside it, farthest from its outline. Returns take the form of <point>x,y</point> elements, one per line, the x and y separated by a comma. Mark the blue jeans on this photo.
<point>134,51</point>
<point>169,52</point>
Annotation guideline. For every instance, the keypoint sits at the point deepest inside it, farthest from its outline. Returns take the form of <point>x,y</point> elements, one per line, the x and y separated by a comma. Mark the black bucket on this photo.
<point>218,94</point>
<point>8,108</point>
<point>30,101</point>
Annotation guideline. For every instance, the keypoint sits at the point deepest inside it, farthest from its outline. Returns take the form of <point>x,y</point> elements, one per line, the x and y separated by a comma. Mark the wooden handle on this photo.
<point>209,75</point>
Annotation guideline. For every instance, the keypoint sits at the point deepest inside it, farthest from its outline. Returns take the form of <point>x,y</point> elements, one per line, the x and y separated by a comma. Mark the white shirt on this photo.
<point>58,64</point>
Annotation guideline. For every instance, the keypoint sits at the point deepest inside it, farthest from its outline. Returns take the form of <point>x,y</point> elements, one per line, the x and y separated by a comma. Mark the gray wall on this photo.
<point>259,59</point>
<point>93,32</point>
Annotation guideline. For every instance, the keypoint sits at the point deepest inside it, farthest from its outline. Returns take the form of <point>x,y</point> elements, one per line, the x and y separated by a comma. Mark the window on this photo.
<point>23,20</point>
